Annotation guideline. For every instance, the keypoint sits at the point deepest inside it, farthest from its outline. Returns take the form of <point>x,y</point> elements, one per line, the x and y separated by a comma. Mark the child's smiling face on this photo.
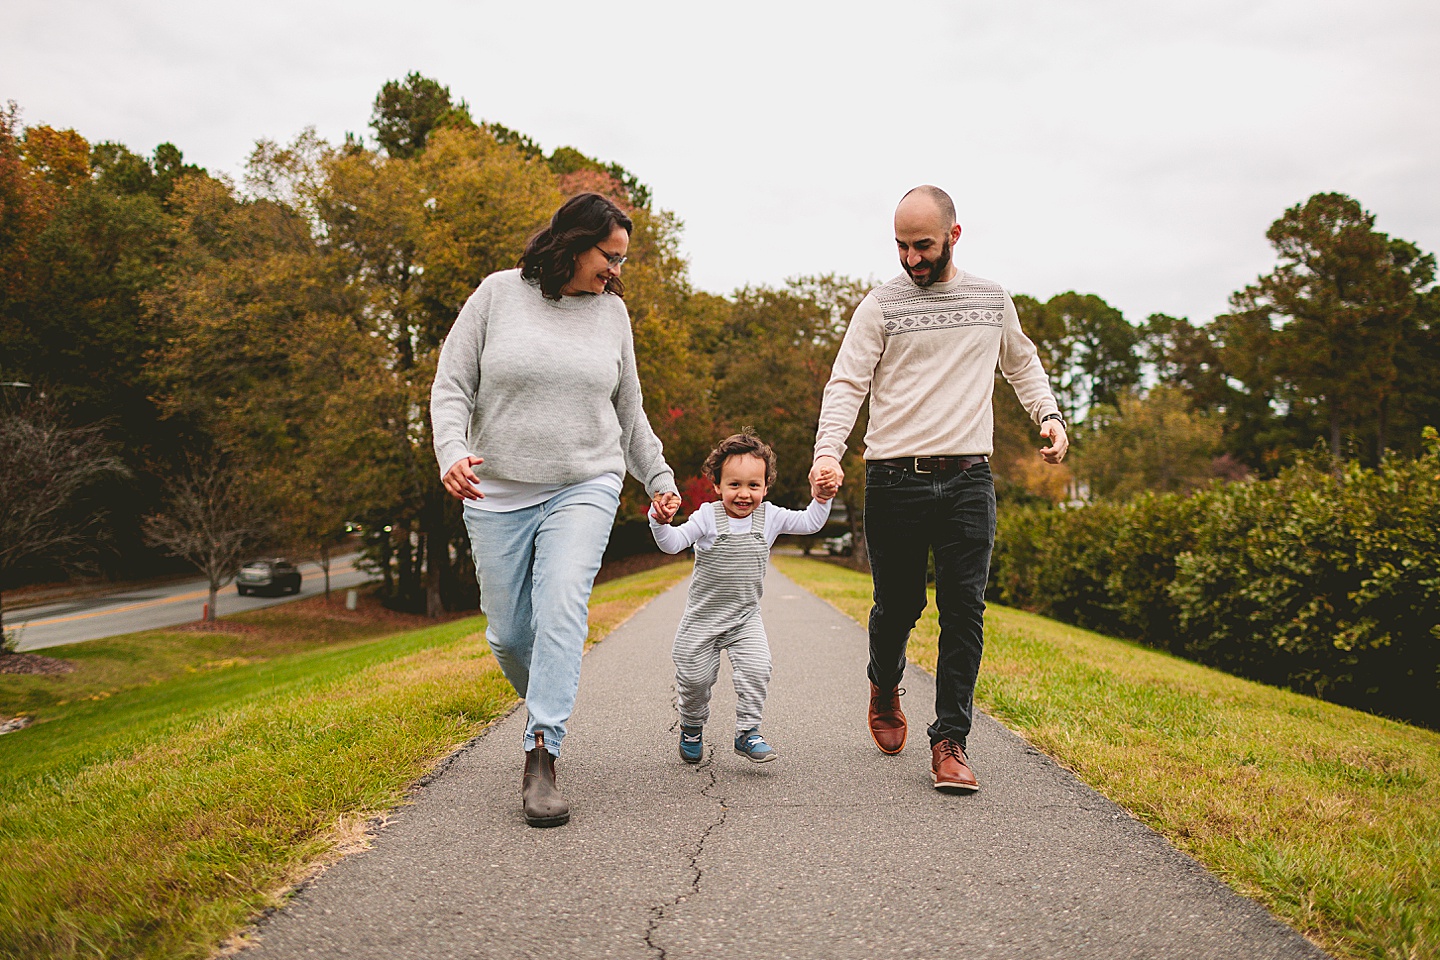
<point>742,484</point>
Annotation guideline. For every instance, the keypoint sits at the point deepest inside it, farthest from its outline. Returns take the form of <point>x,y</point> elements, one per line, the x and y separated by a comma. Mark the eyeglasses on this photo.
<point>614,259</point>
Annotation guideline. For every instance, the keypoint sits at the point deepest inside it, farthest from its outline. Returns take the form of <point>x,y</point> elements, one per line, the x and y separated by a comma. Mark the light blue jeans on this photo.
<point>536,567</point>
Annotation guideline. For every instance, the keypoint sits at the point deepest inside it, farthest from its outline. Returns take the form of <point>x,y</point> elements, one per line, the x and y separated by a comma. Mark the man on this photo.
<point>925,347</point>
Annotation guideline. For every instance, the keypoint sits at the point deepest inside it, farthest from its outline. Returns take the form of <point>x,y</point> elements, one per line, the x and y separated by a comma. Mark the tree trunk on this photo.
<point>1335,440</point>
<point>437,553</point>
<point>386,553</point>
<point>325,565</point>
<point>3,638</point>
<point>1382,417</point>
<point>210,608</point>
<point>855,517</point>
<point>404,560</point>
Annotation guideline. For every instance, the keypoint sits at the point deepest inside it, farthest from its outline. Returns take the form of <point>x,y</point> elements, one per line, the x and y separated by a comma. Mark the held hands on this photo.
<point>1053,431</point>
<point>825,478</point>
<point>664,506</point>
<point>460,481</point>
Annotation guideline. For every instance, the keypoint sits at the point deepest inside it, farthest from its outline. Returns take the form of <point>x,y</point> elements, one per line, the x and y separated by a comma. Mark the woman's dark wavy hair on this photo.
<point>739,445</point>
<point>583,221</point>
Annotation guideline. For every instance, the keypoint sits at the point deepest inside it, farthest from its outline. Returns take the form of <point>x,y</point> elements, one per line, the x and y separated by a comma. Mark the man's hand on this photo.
<point>825,477</point>
<point>461,481</point>
<point>664,506</point>
<point>1053,431</point>
<point>824,491</point>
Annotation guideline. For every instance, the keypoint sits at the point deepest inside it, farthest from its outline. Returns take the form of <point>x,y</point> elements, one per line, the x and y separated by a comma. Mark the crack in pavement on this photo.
<point>658,912</point>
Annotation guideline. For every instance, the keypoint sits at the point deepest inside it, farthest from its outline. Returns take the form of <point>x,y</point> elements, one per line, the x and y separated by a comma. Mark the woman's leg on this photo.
<point>569,542</point>
<point>504,549</point>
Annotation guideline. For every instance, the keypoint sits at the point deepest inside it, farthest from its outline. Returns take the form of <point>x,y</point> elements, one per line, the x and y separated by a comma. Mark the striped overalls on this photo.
<point>722,612</point>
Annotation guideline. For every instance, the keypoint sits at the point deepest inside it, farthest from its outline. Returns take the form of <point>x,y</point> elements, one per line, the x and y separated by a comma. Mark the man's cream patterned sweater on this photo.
<point>927,357</point>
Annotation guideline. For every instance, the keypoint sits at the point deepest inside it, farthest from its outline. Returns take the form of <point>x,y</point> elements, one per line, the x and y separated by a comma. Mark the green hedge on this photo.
<point>1328,584</point>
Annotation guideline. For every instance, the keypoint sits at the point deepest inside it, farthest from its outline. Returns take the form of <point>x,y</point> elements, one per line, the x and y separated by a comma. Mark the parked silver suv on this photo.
<point>274,575</point>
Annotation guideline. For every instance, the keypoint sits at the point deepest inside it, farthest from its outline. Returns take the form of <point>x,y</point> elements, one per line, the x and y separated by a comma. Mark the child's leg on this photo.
<point>749,651</point>
<point>697,664</point>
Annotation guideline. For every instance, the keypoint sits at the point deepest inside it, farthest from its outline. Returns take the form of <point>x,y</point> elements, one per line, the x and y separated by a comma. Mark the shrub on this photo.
<point>1328,583</point>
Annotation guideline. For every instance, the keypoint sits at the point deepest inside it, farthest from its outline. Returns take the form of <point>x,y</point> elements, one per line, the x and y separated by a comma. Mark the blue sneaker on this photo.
<point>751,744</point>
<point>692,747</point>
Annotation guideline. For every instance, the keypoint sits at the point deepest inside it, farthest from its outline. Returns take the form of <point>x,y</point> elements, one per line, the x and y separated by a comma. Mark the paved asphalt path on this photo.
<point>128,611</point>
<point>832,851</point>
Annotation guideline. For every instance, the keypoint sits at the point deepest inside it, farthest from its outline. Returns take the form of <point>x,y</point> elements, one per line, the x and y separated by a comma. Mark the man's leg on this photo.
<point>897,537</point>
<point>964,530</point>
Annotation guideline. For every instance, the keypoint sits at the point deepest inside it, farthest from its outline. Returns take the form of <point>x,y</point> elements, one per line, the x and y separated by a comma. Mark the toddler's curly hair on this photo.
<point>738,445</point>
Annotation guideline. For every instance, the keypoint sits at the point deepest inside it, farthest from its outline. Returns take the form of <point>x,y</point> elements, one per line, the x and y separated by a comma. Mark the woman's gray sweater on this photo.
<point>545,391</point>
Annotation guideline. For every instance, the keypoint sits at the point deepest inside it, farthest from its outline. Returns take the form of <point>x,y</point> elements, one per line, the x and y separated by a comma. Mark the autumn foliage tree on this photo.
<point>47,466</point>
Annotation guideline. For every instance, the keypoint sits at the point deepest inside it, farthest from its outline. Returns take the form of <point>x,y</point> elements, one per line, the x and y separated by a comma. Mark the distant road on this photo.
<point>91,618</point>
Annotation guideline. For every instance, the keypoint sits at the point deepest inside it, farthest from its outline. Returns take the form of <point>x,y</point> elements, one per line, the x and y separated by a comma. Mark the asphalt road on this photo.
<point>91,618</point>
<point>832,851</point>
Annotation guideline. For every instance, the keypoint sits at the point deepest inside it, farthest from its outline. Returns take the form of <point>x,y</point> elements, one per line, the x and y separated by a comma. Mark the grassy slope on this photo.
<point>1325,814</point>
<point>177,782</point>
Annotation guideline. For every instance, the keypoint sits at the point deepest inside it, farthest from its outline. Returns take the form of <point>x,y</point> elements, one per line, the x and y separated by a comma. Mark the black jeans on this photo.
<point>907,514</point>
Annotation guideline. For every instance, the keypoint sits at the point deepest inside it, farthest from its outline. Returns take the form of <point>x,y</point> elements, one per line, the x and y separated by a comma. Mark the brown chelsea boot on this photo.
<point>544,806</point>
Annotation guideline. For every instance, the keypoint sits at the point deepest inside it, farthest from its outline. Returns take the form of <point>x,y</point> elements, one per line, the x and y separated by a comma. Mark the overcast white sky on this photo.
<point>1129,148</point>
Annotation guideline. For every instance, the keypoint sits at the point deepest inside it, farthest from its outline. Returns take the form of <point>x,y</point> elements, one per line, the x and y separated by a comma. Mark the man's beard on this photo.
<point>938,266</point>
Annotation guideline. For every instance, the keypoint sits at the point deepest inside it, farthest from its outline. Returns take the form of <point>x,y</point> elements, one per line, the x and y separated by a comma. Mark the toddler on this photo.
<point>732,539</point>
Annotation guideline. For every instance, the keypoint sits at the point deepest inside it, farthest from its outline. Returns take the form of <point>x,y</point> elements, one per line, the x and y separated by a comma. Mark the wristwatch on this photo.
<point>1055,416</point>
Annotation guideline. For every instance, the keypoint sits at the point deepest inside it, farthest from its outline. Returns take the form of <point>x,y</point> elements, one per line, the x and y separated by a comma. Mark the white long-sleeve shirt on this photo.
<point>699,530</point>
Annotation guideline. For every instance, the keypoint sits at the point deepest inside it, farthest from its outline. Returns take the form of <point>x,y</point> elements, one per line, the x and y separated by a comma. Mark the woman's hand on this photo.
<point>460,481</point>
<point>664,506</point>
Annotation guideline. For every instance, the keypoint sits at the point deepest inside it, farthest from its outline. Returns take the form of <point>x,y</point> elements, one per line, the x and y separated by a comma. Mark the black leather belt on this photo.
<point>934,464</point>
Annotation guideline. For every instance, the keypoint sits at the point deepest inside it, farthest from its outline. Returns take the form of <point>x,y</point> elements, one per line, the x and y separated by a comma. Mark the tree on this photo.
<point>211,520</point>
<point>1185,356</point>
<point>1154,442</point>
<point>308,319</point>
<point>1103,359</point>
<point>406,111</point>
<point>770,363</point>
<point>90,236</point>
<point>46,467</point>
<point>1342,306</point>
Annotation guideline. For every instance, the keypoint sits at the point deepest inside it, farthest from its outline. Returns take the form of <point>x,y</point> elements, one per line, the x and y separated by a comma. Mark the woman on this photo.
<point>537,416</point>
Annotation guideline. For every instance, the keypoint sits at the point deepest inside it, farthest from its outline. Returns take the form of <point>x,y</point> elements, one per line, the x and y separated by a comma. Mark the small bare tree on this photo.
<point>210,520</point>
<point>45,466</point>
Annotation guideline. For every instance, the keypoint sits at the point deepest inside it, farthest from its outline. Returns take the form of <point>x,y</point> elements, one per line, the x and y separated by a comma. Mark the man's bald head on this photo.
<point>925,229</point>
<point>929,199</point>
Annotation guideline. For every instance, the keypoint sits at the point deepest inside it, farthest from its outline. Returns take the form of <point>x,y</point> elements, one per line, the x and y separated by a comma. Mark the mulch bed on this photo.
<point>215,626</point>
<point>33,663</point>
<point>615,569</point>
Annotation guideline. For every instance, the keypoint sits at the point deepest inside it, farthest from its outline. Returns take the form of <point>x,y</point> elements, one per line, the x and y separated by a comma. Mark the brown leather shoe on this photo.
<point>544,807</point>
<point>887,720</point>
<point>952,771</point>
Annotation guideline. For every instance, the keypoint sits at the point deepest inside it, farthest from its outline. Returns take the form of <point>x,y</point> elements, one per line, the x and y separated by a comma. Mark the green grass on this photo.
<point>177,783</point>
<point>1326,815</point>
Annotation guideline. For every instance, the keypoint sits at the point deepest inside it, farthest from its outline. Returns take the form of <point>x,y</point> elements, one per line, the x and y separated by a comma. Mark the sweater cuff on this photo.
<point>452,453</point>
<point>662,483</point>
